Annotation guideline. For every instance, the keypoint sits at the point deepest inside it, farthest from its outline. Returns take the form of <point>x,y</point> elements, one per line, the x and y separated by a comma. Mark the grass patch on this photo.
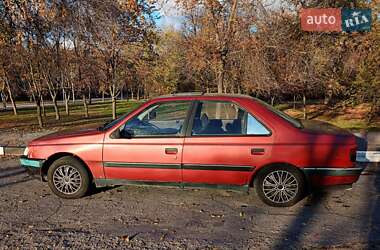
<point>353,118</point>
<point>99,112</point>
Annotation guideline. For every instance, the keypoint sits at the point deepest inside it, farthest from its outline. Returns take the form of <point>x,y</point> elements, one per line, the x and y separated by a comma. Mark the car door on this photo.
<point>223,145</point>
<point>149,145</point>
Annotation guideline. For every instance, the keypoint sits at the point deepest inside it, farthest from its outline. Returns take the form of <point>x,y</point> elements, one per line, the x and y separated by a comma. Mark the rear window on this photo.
<point>225,118</point>
<point>296,123</point>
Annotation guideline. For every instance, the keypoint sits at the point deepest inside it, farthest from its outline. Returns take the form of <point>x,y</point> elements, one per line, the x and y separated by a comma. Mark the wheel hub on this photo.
<point>280,186</point>
<point>67,179</point>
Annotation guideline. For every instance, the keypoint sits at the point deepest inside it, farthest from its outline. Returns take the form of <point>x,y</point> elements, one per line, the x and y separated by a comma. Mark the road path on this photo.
<point>170,218</point>
<point>148,217</point>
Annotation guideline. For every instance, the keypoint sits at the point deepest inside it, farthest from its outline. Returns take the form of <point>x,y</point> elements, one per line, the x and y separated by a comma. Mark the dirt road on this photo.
<point>148,217</point>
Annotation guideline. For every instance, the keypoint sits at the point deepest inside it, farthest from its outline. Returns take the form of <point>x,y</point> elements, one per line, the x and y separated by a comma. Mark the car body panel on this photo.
<point>143,159</point>
<point>89,153</point>
<point>225,152</point>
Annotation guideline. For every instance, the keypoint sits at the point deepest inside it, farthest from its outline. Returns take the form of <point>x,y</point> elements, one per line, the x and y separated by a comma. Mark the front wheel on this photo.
<point>280,186</point>
<point>68,178</point>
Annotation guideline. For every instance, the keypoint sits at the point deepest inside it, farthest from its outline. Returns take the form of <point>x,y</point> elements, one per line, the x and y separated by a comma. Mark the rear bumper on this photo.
<point>332,176</point>
<point>33,166</point>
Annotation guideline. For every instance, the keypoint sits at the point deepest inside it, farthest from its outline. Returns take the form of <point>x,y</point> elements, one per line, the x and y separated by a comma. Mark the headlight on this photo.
<point>26,151</point>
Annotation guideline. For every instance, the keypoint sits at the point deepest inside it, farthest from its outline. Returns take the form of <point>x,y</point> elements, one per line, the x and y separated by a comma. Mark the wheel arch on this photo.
<point>46,165</point>
<point>276,164</point>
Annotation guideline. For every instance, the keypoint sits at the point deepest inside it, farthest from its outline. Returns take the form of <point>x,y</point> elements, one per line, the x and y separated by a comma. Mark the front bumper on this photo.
<point>333,176</point>
<point>32,166</point>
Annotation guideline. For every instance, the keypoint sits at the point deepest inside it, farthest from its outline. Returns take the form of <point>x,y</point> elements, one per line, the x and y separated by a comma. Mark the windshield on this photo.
<point>112,123</point>
<point>296,123</point>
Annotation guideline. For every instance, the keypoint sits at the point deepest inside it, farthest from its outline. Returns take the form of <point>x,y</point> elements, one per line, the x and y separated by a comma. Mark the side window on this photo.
<point>225,118</point>
<point>254,127</point>
<point>165,119</point>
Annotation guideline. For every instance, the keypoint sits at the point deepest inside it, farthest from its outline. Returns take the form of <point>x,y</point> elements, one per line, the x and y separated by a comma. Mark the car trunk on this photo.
<point>319,127</point>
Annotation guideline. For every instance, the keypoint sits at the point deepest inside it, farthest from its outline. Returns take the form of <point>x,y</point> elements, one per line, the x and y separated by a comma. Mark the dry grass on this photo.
<point>354,118</point>
<point>98,113</point>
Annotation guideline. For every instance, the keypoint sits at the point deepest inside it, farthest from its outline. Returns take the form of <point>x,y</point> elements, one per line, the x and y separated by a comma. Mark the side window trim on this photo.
<point>195,107</point>
<point>190,121</point>
<point>182,132</point>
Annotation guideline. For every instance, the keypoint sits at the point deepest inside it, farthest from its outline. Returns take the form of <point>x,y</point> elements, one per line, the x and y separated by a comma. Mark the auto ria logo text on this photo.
<point>336,19</point>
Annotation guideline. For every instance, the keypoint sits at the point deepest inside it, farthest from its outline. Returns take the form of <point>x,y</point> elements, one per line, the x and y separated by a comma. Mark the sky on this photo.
<point>171,16</point>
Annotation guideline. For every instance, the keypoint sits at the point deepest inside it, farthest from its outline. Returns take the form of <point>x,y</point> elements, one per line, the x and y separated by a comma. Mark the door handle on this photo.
<point>257,151</point>
<point>171,151</point>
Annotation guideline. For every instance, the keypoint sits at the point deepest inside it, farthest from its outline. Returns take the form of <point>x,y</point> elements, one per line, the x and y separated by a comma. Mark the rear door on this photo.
<point>223,145</point>
<point>149,148</point>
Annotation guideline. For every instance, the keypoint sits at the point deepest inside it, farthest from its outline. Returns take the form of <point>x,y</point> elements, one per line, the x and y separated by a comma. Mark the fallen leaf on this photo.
<point>217,215</point>
<point>163,236</point>
<point>126,238</point>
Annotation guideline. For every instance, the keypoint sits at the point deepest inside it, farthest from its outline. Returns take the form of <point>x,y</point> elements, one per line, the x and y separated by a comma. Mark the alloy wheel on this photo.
<point>280,186</point>
<point>67,179</point>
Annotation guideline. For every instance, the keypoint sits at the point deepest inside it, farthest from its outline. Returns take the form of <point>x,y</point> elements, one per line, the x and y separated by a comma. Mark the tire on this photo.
<point>68,178</point>
<point>272,191</point>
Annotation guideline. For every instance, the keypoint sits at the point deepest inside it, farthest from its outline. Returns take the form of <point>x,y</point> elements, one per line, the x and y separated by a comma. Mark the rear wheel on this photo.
<point>68,178</point>
<point>280,186</point>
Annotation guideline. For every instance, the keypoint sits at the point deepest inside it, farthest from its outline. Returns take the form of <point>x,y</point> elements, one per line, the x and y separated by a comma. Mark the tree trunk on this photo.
<point>304,107</point>
<point>138,94</point>
<point>73,92</point>
<point>294,101</point>
<point>220,84</point>
<point>127,95</point>
<point>43,106</point>
<point>113,98</point>
<point>13,104</point>
<point>328,95</point>
<point>67,98</point>
<point>4,100</point>
<point>374,110</point>
<point>85,106</point>
<point>272,100</point>
<point>132,94</point>
<point>56,109</point>
<point>89,95</point>
<point>103,96</point>
<point>39,115</point>
<point>11,97</point>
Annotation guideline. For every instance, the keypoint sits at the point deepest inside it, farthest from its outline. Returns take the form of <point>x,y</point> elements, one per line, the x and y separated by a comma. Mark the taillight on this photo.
<point>353,154</point>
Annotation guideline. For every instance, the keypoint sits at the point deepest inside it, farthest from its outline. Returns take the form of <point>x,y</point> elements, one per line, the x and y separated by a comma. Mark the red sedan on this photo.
<point>199,140</point>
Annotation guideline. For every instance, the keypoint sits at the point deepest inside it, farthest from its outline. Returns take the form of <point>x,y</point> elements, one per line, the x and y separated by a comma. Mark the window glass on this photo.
<point>254,127</point>
<point>165,119</point>
<point>296,123</point>
<point>225,118</point>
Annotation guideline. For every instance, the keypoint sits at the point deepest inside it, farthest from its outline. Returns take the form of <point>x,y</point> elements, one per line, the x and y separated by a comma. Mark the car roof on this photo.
<point>197,95</point>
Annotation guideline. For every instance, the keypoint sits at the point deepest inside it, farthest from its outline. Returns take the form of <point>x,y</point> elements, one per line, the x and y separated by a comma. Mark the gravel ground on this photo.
<point>170,218</point>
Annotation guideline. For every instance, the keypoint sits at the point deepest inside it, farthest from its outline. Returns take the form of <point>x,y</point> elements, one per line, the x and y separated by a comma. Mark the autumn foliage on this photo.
<point>69,50</point>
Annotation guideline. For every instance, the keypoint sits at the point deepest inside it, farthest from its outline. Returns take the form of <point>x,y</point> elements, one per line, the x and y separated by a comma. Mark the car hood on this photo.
<point>72,136</point>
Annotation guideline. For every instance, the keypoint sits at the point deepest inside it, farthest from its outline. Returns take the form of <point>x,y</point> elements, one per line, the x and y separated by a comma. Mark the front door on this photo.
<point>224,145</point>
<point>150,145</point>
